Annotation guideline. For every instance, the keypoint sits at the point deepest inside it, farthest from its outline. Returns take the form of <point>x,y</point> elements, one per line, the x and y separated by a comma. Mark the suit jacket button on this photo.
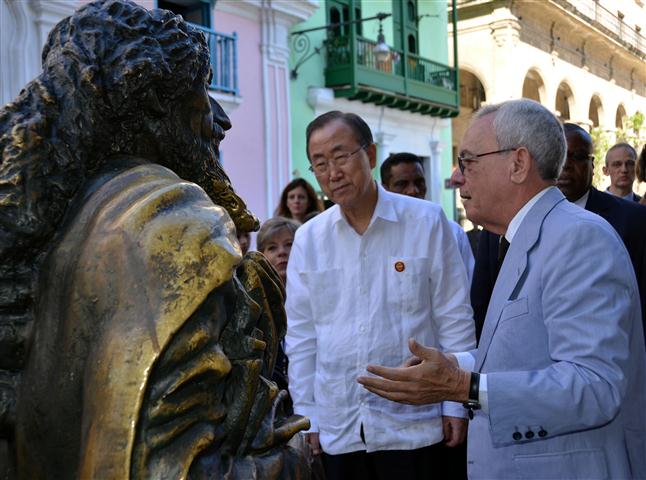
<point>542,433</point>
<point>529,434</point>
<point>517,436</point>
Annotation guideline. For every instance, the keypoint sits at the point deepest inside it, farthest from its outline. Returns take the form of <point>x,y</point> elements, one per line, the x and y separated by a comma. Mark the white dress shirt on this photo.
<point>583,200</point>
<point>355,300</point>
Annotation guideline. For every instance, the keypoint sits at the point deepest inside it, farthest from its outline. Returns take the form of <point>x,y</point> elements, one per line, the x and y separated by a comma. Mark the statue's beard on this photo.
<point>198,161</point>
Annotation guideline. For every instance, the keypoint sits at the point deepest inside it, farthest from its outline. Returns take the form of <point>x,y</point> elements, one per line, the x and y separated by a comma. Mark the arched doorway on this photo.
<point>595,111</point>
<point>619,116</point>
<point>564,101</point>
<point>472,96</point>
<point>533,86</point>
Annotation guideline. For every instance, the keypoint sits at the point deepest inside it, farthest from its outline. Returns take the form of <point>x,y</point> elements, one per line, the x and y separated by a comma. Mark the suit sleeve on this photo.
<point>589,309</point>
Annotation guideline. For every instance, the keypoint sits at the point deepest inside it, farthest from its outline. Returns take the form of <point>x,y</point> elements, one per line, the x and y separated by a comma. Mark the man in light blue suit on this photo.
<point>557,387</point>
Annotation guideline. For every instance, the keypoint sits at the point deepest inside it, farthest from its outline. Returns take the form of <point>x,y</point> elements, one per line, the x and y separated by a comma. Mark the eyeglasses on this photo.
<point>468,159</point>
<point>321,166</point>
<point>580,157</point>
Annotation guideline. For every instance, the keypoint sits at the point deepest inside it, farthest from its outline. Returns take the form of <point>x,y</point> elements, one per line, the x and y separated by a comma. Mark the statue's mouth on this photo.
<point>218,133</point>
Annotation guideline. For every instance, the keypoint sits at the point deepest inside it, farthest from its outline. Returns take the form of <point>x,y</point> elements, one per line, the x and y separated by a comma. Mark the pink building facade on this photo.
<point>257,150</point>
<point>253,79</point>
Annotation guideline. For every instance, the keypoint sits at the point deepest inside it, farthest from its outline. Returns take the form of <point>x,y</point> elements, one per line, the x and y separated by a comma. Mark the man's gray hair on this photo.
<point>526,123</point>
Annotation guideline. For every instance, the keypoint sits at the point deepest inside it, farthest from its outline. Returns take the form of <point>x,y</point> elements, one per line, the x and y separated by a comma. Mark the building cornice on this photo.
<point>285,11</point>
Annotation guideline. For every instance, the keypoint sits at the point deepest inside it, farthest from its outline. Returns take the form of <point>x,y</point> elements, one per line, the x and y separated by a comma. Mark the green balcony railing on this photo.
<point>404,81</point>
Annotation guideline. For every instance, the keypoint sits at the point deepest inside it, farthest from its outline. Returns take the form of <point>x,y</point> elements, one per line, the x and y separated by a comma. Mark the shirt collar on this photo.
<point>583,200</point>
<point>514,225</point>
<point>384,208</point>
<point>628,196</point>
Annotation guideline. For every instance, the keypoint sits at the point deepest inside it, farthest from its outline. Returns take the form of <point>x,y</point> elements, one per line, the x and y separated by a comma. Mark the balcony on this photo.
<point>405,81</point>
<point>611,24</point>
<point>224,60</point>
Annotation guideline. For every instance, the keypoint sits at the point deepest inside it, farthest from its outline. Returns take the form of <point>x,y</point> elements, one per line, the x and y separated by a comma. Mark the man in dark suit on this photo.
<point>575,182</point>
<point>621,160</point>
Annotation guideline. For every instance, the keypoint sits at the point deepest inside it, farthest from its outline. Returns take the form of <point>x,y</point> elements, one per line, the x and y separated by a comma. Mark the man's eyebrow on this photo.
<point>338,148</point>
<point>335,149</point>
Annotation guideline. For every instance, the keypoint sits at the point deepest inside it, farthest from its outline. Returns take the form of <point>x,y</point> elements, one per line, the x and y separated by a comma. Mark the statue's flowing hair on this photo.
<point>110,74</point>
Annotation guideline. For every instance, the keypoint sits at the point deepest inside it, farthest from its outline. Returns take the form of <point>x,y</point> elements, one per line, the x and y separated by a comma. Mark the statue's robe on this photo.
<point>149,355</point>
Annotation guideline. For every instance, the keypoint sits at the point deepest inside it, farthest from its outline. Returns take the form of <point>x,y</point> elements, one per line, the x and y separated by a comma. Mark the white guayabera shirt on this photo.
<point>354,300</point>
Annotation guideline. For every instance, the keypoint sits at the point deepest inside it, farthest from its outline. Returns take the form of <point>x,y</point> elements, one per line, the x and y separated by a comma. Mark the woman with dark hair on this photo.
<point>297,200</point>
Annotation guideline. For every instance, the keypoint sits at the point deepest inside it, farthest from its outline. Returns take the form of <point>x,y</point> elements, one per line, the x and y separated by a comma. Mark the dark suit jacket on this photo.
<point>627,218</point>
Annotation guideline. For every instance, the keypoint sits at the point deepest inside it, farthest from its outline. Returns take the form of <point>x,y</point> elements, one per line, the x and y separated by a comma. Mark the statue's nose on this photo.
<point>219,115</point>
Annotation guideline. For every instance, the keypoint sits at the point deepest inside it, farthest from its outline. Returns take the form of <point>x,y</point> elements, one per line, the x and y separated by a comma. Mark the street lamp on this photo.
<point>381,50</point>
<point>302,43</point>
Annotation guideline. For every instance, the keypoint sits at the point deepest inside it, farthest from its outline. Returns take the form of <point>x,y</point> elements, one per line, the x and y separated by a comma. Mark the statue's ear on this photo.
<point>151,103</point>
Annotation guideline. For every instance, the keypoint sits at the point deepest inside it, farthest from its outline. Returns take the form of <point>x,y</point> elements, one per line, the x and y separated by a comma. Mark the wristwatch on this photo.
<point>473,403</point>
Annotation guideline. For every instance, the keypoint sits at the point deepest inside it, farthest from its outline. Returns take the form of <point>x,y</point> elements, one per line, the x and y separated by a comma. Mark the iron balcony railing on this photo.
<point>412,67</point>
<point>597,14</point>
<point>224,60</point>
<point>366,58</point>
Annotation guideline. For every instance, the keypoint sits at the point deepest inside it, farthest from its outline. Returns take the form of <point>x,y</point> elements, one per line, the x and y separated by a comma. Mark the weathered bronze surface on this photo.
<point>135,342</point>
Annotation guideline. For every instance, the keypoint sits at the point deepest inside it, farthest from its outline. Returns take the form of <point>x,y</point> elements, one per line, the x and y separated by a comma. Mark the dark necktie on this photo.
<point>503,246</point>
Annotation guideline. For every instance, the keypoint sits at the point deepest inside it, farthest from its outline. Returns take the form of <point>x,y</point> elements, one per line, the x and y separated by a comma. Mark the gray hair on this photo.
<point>272,227</point>
<point>626,146</point>
<point>526,123</point>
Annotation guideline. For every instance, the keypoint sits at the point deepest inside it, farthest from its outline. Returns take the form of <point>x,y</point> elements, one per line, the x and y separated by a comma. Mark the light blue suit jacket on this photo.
<point>563,349</point>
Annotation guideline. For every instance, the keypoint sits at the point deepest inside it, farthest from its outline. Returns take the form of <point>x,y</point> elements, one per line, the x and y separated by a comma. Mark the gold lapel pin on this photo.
<point>400,266</point>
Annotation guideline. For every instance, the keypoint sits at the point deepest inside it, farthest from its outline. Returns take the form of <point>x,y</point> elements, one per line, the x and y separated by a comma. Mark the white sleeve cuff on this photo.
<point>453,409</point>
<point>466,360</point>
<point>483,396</point>
<point>309,413</point>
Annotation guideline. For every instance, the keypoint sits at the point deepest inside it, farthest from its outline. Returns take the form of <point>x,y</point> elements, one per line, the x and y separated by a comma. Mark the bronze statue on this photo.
<point>135,342</point>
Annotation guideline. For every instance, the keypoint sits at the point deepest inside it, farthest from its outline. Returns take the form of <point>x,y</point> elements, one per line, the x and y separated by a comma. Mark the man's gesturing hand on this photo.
<point>435,379</point>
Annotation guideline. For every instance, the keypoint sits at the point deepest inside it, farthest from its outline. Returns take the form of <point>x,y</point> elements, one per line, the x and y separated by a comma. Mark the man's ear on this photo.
<point>371,150</point>
<point>605,170</point>
<point>521,165</point>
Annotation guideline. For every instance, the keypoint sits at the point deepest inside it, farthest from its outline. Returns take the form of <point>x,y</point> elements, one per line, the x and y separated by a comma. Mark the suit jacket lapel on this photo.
<point>514,266</point>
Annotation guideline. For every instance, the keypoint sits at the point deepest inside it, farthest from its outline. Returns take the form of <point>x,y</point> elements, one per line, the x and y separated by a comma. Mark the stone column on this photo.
<point>505,32</point>
<point>24,26</point>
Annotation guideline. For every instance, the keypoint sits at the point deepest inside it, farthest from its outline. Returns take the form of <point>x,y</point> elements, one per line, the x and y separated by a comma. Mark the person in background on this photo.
<point>404,173</point>
<point>297,200</point>
<point>275,240</point>
<point>244,239</point>
<point>621,160</point>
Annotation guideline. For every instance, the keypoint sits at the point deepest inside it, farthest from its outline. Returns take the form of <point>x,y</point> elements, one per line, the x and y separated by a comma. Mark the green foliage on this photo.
<point>633,131</point>
<point>601,142</point>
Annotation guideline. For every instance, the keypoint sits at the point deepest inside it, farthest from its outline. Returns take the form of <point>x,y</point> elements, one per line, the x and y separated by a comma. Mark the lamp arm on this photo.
<point>380,16</point>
